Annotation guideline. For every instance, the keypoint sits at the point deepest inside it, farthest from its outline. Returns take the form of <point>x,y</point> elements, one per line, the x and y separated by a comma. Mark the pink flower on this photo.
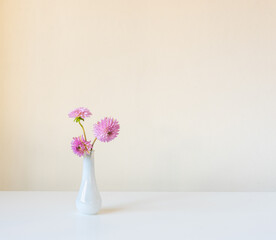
<point>80,146</point>
<point>107,129</point>
<point>80,112</point>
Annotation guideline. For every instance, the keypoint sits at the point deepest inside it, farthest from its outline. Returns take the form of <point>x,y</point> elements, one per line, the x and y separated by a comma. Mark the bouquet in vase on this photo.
<point>105,130</point>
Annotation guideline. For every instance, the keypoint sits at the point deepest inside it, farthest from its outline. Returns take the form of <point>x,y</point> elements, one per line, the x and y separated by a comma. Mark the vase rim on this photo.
<point>90,154</point>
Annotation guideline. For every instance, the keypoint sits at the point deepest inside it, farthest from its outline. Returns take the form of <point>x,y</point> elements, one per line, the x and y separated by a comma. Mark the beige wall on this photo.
<point>193,84</point>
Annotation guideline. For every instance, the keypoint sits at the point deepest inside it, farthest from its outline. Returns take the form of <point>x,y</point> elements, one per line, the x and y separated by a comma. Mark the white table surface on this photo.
<point>140,215</point>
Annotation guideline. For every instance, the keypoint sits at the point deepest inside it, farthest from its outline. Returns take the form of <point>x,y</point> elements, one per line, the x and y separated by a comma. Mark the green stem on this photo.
<point>93,143</point>
<point>83,131</point>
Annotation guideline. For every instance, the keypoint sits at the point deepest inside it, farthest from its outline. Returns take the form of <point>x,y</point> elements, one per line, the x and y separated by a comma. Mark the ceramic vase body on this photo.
<point>89,199</point>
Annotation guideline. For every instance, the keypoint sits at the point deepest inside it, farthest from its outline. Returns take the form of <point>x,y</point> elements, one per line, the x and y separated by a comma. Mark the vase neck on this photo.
<point>88,165</point>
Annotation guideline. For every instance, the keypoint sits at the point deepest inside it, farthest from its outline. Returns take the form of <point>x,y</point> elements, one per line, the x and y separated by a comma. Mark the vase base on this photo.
<point>88,209</point>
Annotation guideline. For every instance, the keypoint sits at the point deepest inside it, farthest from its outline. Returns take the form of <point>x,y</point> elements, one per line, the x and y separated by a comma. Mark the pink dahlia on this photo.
<point>106,129</point>
<point>80,146</point>
<point>80,112</point>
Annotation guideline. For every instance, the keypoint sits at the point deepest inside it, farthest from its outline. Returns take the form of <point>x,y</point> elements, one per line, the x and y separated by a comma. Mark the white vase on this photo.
<point>89,199</point>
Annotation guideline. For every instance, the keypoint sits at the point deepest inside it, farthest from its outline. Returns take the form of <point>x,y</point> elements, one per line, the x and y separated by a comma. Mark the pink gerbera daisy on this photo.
<point>80,112</point>
<point>107,129</point>
<point>80,146</point>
